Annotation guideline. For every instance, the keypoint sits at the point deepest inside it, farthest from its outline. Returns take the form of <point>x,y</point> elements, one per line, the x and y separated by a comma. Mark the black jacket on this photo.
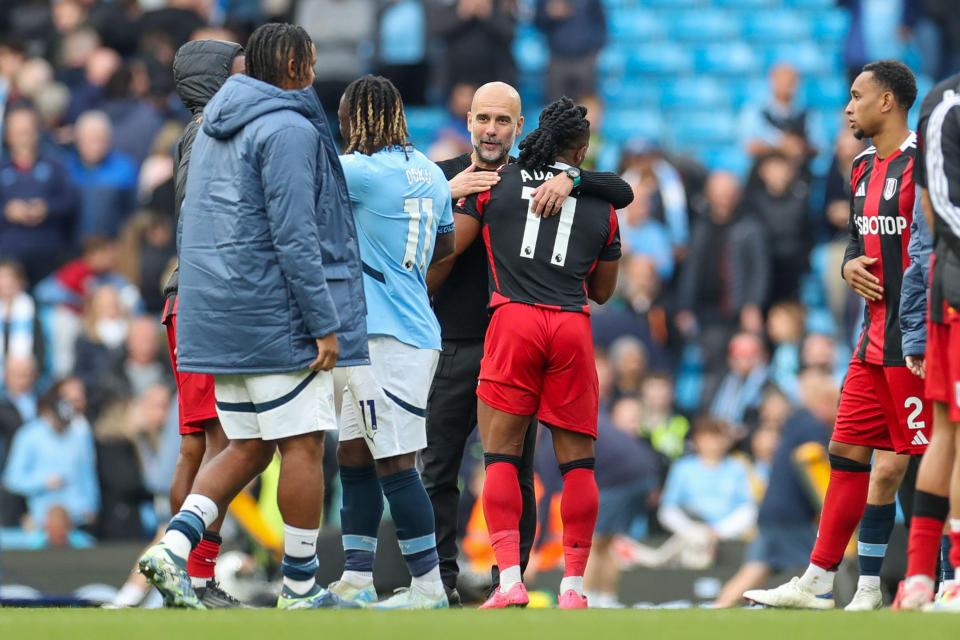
<point>199,70</point>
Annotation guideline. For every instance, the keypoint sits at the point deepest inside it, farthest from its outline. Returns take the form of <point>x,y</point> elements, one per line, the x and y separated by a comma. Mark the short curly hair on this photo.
<point>897,78</point>
<point>563,125</point>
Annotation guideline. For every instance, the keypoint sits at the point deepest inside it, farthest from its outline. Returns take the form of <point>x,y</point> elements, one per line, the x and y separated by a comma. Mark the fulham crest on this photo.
<point>889,188</point>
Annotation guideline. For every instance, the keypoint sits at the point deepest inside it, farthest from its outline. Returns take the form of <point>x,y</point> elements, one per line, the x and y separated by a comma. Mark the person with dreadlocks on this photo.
<point>271,300</point>
<point>404,216</point>
<point>538,353</point>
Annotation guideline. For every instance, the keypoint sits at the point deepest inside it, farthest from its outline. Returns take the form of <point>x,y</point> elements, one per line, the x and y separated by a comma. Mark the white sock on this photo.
<point>429,583</point>
<point>199,583</point>
<point>572,582</point>
<point>509,577</point>
<point>299,587</point>
<point>955,525</point>
<point>203,507</point>
<point>130,595</point>
<point>817,580</point>
<point>178,544</point>
<point>299,543</point>
<point>868,582</point>
<point>358,579</point>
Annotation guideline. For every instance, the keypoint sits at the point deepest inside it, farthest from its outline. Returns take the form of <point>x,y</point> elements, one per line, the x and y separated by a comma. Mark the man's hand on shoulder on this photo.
<point>548,197</point>
<point>470,181</point>
<point>863,283</point>
<point>328,351</point>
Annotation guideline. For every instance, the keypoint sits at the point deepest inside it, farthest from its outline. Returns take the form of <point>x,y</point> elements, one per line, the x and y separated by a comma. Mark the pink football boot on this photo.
<point>570,599</point>
<point>515,597</point>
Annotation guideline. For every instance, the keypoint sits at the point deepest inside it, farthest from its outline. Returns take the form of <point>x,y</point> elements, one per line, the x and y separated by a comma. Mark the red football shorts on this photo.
<point>883,408</point>
<point>539,361</point>
<point>943,361</point>
<point>196,399</point>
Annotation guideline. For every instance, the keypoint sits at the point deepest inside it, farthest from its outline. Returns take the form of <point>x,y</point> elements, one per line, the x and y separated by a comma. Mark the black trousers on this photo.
<point>451,417</point>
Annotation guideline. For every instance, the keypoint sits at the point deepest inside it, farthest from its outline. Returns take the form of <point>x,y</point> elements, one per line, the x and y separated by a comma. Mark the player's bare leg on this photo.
<point>750,576</point>
<point>601,579</point>
<point>931,508</point>
<point>842,510</point>
<point>578,510</point>
<point>876,525</point>
<point>501,435</point>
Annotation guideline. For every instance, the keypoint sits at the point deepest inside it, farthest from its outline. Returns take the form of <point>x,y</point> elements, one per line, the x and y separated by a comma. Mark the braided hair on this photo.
<point>562,126</point>
<point>271,45</point>
<point>375,110</point>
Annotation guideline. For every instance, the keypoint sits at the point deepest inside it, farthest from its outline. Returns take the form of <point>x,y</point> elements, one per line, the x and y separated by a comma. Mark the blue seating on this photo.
<point>620,92</point>
<point>635,25</point>
<point>749,90</point>
<point>777,26</point>
<point>531,54</point>
<point>704,25</point>
<point>676,4</point>
<point>827,92</point>
<point>612,62</point>
<point>806,57</point>
<point>699,92</point>
<point>423,122</point>
<point>811,4</point>
<point>747,4</point>
<point>729,58</point>
<point>623,124</point>
<point>724,158</point>
<point>831,26</point>
<point>663,58</point>
<point>692,129</point>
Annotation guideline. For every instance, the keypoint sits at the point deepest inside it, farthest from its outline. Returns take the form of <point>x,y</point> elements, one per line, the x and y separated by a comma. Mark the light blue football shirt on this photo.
<point>401,202</point>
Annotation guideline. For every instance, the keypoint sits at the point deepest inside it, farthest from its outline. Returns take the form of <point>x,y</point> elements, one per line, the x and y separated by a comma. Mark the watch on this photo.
<point>574,174</point>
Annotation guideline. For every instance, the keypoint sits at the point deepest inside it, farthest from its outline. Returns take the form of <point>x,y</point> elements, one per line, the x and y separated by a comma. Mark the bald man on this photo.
<point>460,296</point>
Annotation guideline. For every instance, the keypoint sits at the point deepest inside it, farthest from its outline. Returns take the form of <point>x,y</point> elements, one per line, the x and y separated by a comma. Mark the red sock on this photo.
<point>842,510</point>
<point>578,511</point>
<point>203,559</point>
<point>955,549</point>
<point>923,549</point>
<point>502,506</point>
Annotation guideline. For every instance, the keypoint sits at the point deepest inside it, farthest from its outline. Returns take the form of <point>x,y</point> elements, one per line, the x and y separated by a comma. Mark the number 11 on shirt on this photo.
<point>532,230</point>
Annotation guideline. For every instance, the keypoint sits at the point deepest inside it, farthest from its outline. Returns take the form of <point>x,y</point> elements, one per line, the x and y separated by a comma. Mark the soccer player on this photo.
<point>268,303</point>
<point>939,143</point>
<point>460,296</point>
<point>538,353</point>
<point>882,409</point>
<point>404,218</point>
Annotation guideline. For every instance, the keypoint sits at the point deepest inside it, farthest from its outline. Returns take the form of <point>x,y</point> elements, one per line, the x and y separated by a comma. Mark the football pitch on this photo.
<point>94,624</point>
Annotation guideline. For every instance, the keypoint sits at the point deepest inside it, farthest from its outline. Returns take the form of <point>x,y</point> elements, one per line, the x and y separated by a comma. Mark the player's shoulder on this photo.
<point>865,156</point>
<point>937,94</point>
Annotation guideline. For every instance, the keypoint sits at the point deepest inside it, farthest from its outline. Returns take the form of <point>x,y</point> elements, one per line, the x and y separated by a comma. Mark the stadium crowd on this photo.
<point>728,335</point>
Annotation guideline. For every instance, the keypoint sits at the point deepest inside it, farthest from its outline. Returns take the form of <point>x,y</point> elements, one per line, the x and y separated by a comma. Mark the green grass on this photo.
<point>92,624</point>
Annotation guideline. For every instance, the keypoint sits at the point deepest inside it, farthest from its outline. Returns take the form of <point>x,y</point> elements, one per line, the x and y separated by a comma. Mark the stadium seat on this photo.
<point>675,4</point>
<point>777,26</point>
<point>659,59</point>
<point>701,92</point>
<point>612,62</point>
<point>730,58</point>
<point>724,158</point>
<point>703,25</point>
<point>811,4</point>
<point>826,93</point>
<point>806,57</point>
<point>747,4</point>
<point>623,124</point>
<point>831,26</point>
<point>633,25</point>
<point>423,122</point>
<point>749,90</point>
<point>531,53</point>
<point>693,129</point>
<point>621,93</point>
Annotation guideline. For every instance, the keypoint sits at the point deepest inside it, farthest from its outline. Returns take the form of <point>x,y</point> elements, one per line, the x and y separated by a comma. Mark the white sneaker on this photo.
<point>411,598</point>
<point>867,598</point>
<point>350,593</point>
<point>791,595</point>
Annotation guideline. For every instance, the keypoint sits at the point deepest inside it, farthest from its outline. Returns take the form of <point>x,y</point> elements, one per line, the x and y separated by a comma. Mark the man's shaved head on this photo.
<point>494,122</point>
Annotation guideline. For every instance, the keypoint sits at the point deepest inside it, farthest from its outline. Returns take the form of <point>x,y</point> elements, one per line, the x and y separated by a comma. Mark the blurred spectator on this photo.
<point>764,125</point>
<point>598,147</point>
<point>628,359</point>
<point>400,47</point>
<point>65,291</point>
<point>707,494</point>
<point>157,438</point>
<point>342,31</point>
<point>21,334</point>
<point>944,48</point>
<point>140,365</point>
<point>726,279</point>
<point>146,251</point>
<point>659,421</point>
<point>878,31</point>
<point>127,429</point>
<point>36,196</point>
<point>478,39</point>
<point>136,122</point>
<point>12,57</point>
<point>576,30</point>
<point>798,480</point>
<point>177,18</point>
<point>453,137</point>
<point>155,186</point>
<point>736,399</point>
<point>785,324</point>
<point>105,327</point>
<point>87,94</point>
<point>780,200</point>
<point>627,474</point>
<point>59,531</point>
<point>820,351</point>
<point>33,76</point>
<point>763,444</point>
<point>52,463</point>
<point>640,234</point>
<point>20,385</point>
<point>775,408</point>
<point>107,178</point>
<point>669,197</point>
